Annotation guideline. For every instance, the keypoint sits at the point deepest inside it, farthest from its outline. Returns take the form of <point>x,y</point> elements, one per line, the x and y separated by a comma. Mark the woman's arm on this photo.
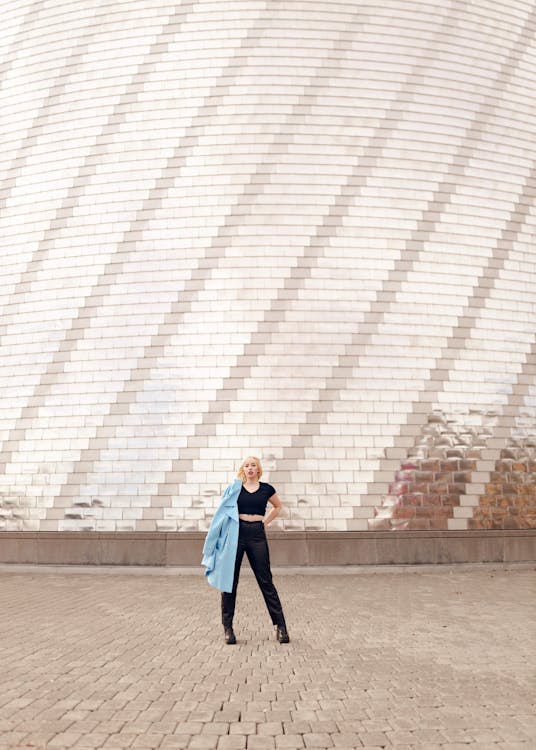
<point>275,511</point>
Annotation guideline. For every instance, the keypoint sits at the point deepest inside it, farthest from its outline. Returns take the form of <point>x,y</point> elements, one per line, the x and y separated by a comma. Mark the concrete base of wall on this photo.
<point>286,548</point>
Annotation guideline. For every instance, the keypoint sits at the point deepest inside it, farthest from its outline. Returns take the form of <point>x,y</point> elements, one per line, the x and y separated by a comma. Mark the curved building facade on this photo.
<point>301,230</point>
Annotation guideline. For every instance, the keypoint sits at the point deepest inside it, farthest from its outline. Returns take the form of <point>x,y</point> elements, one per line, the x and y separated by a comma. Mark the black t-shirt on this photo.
<point>254,503</point>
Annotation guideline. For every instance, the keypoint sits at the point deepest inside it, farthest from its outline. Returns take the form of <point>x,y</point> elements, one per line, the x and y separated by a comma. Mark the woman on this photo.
<point>244,501</point>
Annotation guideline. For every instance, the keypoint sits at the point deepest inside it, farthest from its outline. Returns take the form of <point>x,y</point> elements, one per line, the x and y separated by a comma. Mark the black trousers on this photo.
<point>252,541</point>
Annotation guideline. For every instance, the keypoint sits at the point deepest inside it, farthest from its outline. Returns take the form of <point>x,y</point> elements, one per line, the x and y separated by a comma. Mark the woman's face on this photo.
<point>250,468</point>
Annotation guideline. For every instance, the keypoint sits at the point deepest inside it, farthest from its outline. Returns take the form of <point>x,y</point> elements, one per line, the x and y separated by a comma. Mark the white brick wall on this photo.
<point>294,229</point>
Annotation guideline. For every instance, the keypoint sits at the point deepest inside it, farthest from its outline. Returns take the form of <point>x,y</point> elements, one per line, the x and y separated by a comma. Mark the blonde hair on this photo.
<point>241,475</point>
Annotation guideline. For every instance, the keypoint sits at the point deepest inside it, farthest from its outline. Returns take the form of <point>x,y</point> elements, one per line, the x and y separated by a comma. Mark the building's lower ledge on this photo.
<point>286,548</point>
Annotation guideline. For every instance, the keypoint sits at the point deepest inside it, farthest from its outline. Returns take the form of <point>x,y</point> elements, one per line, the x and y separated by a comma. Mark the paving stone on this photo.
<point>229,715</point>
<point>204,741</point>
<point>243,727</point>
<point>189,727</point>
<point>147,740</point>
<point>232,742</point>
<point>215,728</point>
<point>296,727</point>
<point>270,727</point>
<point>119,740</point>
<point>400,737</point>
<point>303,715</point>
<point>374,739</point>
<point>258,742</point>
<point>430,736</point>
<point>290,741</point>
<point>253,716</point>
<point>317,739</point>
<point>92,740</point>
<point>202,715</point>
<point>166,726</point>
<point>335,715</point>
<point>114,726</point>
<point>278,714</point>
<point>346,739</point>
<point>324,727</point>
<point>137,726</point>
<point>175,741</point>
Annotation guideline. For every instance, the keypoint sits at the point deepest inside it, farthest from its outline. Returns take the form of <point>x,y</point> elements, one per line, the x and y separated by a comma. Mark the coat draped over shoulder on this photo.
<point>221,542</point>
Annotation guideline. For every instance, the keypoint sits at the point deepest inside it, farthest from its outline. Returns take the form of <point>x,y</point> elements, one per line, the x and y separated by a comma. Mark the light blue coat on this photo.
<point>221,543</point>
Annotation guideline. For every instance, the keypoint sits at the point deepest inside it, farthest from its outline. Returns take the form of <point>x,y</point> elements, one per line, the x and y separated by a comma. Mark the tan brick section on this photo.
<point>406,658</point>
<point>509,500</point>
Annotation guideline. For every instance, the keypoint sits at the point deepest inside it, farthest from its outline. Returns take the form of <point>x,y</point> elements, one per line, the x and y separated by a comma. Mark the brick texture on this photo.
<point>302,230</point>
<point>387,658</point>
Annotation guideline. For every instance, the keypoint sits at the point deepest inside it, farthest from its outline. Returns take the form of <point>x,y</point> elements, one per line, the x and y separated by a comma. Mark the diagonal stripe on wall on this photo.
<point>343,202</point>
<point>40,123</point>
<point>77,324</point>
<point>29,19</point>
<point>439,375</point>
<point>141,372</point>
<point>401,270</point>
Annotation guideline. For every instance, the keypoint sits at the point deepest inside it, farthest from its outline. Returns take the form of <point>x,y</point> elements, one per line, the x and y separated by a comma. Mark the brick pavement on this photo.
<point>396,658</point>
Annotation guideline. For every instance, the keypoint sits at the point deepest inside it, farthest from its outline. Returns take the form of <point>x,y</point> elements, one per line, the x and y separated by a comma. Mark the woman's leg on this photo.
<point>259,559</point>
<point>228,600</point>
